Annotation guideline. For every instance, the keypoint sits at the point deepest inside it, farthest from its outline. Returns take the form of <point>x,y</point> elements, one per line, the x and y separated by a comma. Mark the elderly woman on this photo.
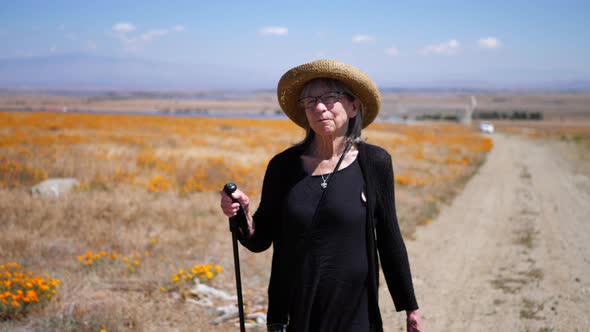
<point>327,208</point>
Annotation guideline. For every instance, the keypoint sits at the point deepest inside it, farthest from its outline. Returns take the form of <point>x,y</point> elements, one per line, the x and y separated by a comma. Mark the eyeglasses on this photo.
<point>327,99</point>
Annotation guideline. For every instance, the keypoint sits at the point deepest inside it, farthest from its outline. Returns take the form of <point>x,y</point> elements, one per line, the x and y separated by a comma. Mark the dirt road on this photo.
<point>511,253</point>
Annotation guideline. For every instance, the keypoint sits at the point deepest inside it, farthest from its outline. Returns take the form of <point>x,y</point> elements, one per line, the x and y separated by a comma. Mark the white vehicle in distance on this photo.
<point>486,127</point>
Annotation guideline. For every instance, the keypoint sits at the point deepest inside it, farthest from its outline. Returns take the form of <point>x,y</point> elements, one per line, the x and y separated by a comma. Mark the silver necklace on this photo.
<point>324,184</point>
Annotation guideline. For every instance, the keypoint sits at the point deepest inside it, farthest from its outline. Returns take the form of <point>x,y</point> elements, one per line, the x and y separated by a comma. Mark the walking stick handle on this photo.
<point>234,222</point>
<point>229,189</point>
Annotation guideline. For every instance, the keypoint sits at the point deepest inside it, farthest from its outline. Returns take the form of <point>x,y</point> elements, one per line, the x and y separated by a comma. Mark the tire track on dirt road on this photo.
<point>511,253</point>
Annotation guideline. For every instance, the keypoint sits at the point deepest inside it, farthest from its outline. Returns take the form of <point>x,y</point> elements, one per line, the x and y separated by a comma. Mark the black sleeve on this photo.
<point>268,231</point>
<point>391,246</point>
<point>266,219</point>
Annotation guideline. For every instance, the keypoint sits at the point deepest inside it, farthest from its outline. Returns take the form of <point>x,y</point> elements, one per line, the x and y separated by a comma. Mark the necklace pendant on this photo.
<point>324,185</point>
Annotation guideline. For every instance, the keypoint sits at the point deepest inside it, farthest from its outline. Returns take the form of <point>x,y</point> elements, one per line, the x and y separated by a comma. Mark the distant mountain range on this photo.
<point>84,71</point>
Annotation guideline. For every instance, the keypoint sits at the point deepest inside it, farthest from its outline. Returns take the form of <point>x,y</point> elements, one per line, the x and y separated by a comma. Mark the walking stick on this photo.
<point>229,188</point>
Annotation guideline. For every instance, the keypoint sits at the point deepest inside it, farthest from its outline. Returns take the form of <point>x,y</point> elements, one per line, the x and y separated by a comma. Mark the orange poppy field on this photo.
<point>122,250</point>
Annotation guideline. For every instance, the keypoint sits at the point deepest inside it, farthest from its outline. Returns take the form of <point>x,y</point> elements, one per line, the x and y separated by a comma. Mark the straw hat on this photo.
<point>359,83</point>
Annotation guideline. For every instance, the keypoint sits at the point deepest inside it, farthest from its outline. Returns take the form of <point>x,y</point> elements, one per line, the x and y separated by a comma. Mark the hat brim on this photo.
<point>360,84</point>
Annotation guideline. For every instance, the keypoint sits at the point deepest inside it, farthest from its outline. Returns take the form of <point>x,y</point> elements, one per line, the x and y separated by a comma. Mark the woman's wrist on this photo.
<point>250,223</point>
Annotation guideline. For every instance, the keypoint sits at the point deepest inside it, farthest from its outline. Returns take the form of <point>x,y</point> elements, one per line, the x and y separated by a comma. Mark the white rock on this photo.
<point>259,317</point>
<point>202,302</point>
<point>201,289</point>
<point>227,312</point>
<point>54,187</point>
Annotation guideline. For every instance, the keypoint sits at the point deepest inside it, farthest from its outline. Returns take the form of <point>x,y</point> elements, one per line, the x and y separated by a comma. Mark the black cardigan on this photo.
<point>384,238</point>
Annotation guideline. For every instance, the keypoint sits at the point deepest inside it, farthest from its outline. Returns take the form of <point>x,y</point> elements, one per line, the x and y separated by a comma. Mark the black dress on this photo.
<point>330,289</point>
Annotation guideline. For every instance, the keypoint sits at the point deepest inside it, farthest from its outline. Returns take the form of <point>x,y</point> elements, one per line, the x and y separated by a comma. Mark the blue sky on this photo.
<point>399,43</point>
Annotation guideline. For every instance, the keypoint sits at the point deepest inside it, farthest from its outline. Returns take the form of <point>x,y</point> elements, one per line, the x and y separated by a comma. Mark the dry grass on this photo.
<point>577,131</point>
<point>49,235</point>
<point>572,138</point>
<point>149,193</point>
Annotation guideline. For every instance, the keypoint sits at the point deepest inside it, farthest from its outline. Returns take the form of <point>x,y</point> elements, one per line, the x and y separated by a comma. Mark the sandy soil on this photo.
<point>512,252</point>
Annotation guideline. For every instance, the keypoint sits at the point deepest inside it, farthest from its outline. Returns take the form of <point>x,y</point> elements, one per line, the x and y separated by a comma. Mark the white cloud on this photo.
<point>273,31</point>
<point>178,28</point>
<point>150,35</point>
<point>362,39</point>
<point>392,51</point>
<point>446,48</point>
<point>123,31</point>
<point>91,45</point>
<point>124,27</point>
<point>52,49</point>
<point>489,43</point>
<point>67,33</point>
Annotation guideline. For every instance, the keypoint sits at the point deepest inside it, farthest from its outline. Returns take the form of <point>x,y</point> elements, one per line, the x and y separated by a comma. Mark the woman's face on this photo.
<point>330,119</point>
